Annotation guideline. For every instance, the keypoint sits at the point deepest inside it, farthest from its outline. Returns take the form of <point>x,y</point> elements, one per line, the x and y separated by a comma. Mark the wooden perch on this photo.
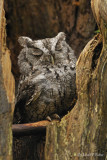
<point>30,128</point>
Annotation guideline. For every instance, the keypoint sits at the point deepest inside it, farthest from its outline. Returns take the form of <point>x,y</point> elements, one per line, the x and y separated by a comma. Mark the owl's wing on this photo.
<point>25,91</point>
<point>34,97</point>
<point>27,94</point>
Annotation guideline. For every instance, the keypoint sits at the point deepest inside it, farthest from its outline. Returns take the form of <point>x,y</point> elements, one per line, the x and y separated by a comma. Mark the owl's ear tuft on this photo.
<point>25,41</point>
<point>61,36</point>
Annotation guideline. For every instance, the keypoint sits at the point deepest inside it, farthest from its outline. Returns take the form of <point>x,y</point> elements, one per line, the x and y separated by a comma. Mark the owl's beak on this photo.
<point>52,60</point>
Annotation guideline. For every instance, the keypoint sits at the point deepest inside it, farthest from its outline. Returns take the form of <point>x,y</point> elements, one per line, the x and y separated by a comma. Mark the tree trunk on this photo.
<point>82,134</point>
<point>7,87</point>
<point>39,19</point>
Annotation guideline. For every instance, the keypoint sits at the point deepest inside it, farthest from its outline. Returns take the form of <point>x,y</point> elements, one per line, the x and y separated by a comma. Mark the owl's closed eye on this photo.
<point>37,52</point>
<point>27,42</point>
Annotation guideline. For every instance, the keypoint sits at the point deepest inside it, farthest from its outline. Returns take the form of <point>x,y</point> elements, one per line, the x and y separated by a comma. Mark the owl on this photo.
<point>47,78</point>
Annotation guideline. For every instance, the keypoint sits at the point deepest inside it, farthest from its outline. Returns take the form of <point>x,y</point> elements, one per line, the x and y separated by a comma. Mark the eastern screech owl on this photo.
<point>47,81</point>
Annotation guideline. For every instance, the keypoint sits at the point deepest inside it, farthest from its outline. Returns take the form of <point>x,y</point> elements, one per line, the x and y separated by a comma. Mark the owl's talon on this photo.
<point>56,116</point>
<point>48,118</point>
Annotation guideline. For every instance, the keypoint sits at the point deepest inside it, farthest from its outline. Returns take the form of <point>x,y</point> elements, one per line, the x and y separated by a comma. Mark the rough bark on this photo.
<point>82,133</point>
<point>31,149</point>
<point>7,87</point>
<point>40,19</point>
<point>29,140</point>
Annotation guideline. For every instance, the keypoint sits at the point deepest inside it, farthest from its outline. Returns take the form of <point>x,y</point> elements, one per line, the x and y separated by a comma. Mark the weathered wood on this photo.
<point>30,128</point>
<point>82,133</point>
<point>29,147</point>
<point>29,138</point>
<point>7,87</point>
<point>27,18</point>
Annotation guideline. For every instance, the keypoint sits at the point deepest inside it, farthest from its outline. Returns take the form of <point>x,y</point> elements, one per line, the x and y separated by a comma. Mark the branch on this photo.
<point>30,128</point>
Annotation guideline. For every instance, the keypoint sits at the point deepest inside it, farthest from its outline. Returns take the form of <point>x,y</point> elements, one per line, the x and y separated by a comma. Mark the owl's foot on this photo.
<point>53,117</point>
<point>48,118</point>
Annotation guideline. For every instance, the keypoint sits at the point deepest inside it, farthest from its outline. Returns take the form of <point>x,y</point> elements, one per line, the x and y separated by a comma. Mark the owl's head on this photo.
<point>46,45</point>
<point>51,49</point>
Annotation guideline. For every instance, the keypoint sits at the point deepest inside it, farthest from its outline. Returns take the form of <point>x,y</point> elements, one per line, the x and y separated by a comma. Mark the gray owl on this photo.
<point>47,81</point>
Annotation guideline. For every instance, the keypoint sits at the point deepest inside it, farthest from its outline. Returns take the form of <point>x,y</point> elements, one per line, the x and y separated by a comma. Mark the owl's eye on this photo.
<point>37,52</point>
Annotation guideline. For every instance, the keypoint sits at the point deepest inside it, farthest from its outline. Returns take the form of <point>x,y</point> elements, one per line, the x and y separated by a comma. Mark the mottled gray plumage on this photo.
<point>47,81</point>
